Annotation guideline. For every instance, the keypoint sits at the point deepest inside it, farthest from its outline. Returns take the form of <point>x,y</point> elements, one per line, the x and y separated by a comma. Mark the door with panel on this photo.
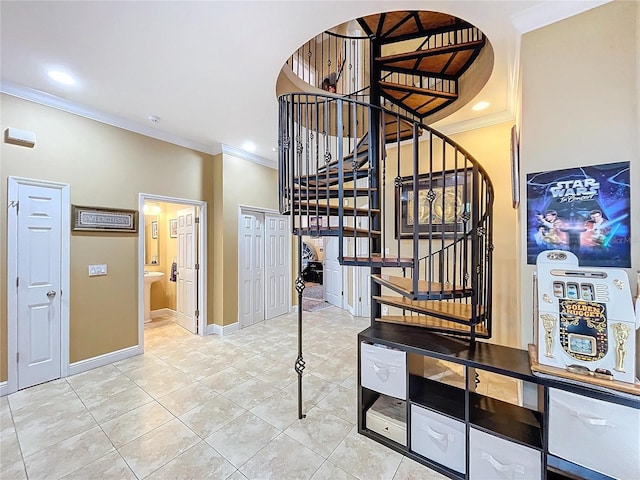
<point>332,272</point>
<point>186,291</point>
<point>251,261</point>
<point>277,265</point>
<point>39,240</point>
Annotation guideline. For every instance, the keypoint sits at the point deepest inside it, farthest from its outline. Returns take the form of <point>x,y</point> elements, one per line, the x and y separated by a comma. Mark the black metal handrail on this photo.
<point>344,62</point>
<point>327,170</point>
<point>333,60</point>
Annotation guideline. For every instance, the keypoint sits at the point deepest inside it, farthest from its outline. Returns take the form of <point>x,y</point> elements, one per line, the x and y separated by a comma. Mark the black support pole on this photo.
<point>299,367</point>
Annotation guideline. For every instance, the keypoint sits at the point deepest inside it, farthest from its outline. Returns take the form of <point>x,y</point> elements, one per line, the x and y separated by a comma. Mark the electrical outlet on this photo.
<point>386,251</point>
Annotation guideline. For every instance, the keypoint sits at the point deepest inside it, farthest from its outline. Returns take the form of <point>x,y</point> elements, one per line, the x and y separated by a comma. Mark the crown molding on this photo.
<point>251,157</point>
<point>550,12</point>
<point>480,122</point>
<point>58,103</point>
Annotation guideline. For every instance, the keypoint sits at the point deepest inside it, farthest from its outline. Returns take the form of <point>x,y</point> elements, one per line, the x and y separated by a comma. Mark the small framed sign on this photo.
<point>103,219</point>
<point>173,228</point>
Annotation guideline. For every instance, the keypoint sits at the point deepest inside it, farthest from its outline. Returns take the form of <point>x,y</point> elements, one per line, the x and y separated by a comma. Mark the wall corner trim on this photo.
<point>102,360</point>
<point>59,103</point>
<point>237,152</point>
<point>221,330</point>
<point>550,12</point>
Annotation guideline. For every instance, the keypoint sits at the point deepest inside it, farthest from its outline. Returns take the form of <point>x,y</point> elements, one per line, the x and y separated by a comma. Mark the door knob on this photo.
<point>51,293</point>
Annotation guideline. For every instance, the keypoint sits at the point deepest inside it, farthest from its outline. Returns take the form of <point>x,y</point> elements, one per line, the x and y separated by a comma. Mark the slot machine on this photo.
<point>585,322</point>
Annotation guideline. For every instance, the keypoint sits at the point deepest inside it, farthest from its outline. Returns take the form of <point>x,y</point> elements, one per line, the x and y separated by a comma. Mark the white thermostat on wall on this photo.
<point>586,321</point>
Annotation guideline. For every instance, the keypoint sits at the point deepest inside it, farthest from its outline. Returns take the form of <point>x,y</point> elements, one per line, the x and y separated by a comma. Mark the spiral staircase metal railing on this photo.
<point>423,216</point>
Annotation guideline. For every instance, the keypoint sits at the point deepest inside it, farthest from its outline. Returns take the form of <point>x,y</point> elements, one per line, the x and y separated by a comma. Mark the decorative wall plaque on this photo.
<point>103,219</point>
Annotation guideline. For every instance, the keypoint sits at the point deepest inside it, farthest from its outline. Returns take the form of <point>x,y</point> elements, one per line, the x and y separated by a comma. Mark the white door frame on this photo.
<point>202,261</point>
<point>12,275</point>
<point>264,212</point>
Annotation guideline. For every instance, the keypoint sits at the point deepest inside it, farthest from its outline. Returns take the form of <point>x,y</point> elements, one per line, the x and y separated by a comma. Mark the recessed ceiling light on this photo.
<point>480,106</point>
<point>249,146</point>
<point>61,77</point>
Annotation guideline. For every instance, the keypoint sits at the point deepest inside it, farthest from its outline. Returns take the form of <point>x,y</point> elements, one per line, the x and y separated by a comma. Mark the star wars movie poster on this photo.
<point>584,210</point>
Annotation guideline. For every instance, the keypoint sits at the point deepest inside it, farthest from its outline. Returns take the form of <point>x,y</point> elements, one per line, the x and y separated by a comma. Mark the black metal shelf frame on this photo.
<point>514,423</point>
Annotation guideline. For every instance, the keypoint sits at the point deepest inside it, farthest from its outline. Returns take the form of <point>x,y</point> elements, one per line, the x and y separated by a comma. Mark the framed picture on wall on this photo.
<point>173,228</point>
<point>154,229</point>
<point>443,204</point>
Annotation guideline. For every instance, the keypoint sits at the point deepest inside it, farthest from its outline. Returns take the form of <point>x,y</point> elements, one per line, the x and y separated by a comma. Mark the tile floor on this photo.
<point>207,407</point>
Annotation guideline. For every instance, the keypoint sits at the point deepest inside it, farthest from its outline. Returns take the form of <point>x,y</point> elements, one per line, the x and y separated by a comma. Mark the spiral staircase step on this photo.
<point>454,311</point>
<point>446,61</point>
<point>377,261</point>
<point>312,207</point>
<point>426,290</point>
<point>331,177</point>
<point>336,231</point>
<point>324,193</point>
<point>436,324</point>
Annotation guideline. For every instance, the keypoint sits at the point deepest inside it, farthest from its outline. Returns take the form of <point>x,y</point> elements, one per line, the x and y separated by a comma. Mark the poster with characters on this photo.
<point>584,210</point>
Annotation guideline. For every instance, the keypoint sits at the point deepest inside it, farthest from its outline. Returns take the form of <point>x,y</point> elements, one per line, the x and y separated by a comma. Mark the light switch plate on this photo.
<point>96,270</point>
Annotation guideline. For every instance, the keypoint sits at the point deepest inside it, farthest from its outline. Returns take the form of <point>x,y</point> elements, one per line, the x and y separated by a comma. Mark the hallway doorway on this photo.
<point>172,267</point>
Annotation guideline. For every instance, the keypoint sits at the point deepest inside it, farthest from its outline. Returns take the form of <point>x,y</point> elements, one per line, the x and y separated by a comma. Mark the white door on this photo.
<point>251,260</point>
<point>363,307</point>
<point>332,272</point>
<point>276,265</point>
<point>187,275</point>
<point>349,279</point>
<point>364,292</point>
<point>39,280</point>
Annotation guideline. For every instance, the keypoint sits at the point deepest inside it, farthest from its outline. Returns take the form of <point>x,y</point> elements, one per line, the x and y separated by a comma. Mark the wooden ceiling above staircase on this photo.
<point>395,26</point>
<point>422,56</point>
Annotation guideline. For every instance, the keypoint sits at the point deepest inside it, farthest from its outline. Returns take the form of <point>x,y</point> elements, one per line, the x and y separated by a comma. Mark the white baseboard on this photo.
<point>4,390</point>
<point>294,308</point>
<point>214,329</point>
<point>102,360</point>
<point>163,312</point>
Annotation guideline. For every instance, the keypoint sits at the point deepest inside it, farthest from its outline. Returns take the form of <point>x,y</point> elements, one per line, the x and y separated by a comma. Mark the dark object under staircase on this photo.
<point>404,199</point>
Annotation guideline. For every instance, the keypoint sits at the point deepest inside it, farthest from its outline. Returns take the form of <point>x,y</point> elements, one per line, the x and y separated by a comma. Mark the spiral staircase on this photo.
<point>363,165</point>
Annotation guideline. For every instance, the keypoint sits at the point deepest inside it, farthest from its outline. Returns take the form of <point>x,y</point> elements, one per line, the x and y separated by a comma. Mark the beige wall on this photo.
<point>490,146</point>
<point>107,166</point>
<point>243,184</point>
<point>580,95</point>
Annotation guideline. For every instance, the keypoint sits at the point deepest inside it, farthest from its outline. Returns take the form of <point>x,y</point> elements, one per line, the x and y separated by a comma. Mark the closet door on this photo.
<point>277,265</point>
<point>251,271</point>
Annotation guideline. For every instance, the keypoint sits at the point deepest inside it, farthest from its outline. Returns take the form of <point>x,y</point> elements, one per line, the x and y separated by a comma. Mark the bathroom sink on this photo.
<point>150,277</point>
